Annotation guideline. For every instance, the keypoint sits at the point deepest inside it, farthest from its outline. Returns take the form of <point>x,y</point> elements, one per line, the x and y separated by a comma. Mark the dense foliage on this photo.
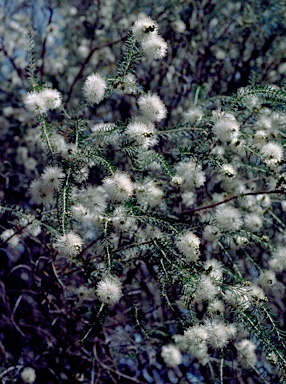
<point>143,200</point>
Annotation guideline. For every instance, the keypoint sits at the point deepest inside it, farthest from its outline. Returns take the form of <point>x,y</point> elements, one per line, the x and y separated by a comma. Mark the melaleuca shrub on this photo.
<point>200,203</point>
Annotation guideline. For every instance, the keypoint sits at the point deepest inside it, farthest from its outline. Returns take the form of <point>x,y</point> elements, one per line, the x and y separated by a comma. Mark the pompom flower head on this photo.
<point>154,47</point>
<point>272,153</point>
<point>189,244</point>
<point>69,244</point>
<point>143,28</point>
<point>226,128</point>
<point>28,375</point>
<point>119,187</point>
<point>40,102</point>
<point>53,176</point>
<point>143,134</point>
<point>41,192</point>
<point>228,218</point>
<point>94,88</point>
<point>109,290</point>
<point>246,353</point>
<point>171,355</point>
<point>152,107</point>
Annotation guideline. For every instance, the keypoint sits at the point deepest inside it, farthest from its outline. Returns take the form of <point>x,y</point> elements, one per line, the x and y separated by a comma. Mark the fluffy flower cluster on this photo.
<point>125,85</point>
<point>246,353</point>
<point>109,290</point>
<point>40,102</point>
<point>10,236</point>
<point>278,261</point>
<point>94,88</point>
<point>272,154</point>
<point>189,175</point>
<point>228,218</point>
<point>189,245</point>
<point>214,333</point>
<point>171,355</point>
<point>28,375</point>
<point>91,203</point>
<point>145,30</point>
<point>149,194</point>
<point>69,244</point>
<point>152,107</point>
<point>119,187</point>
<point>143,132</point>
<point>226,128</point>
<point>42,190</point>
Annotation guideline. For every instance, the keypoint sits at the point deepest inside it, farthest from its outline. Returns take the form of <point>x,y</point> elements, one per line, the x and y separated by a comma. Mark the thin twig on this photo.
<point>282,191</point>
<point>13,315</point>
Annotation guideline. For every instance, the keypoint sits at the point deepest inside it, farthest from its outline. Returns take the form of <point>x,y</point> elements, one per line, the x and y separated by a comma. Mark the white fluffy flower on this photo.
<point>191,174</point>
<point>189,245</point>
<point>216,307</point>
<point>278,260</point>
<point>143,133</point>
<point>272,153</point>
<point>211,233</point>
<point>152,107</point>
<point>246,353</point>
<point>9,235</point>
<point>119,187</point>
<point>94,88</point>
<point>53,176</point>
<point>206,289</point>
<point>28,375</point>
<point>41,102</point>
<point>253,222</point>
<point>228,171</point>
<point>35,103</point>
<point>154,47</point>
<point>228,218</point>
<point>69,244</point>
<point>194,114</point>
<point>213,269</point>
<point>109,290</point>
<point>149,194</point>
<point>85,293</point>
<point>93,198</point>
<point>125,85</point>
<point>197,334</point>
<point>196,343</point>
<point>41,192</point>
<point>267,279</point>
<point>226,128</point>
<point>52,97</point>
<point>171,355</point>
<point>219,333</point>
<point>144,27</point>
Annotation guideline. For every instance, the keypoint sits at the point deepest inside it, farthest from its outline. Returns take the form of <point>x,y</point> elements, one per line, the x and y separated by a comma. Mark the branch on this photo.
<point>190,211</point>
